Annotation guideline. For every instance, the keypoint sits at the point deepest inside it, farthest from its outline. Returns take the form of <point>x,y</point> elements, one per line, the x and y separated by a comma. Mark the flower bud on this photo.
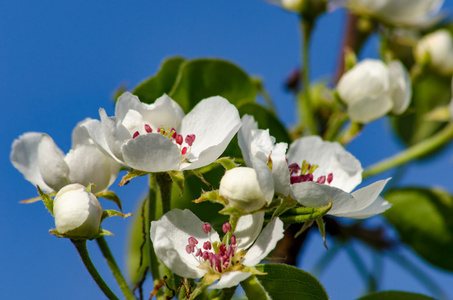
<point>239,187</point>
<point>371,89</point>
<point>436,50</point>
<point>293,5</point>
<point>77,212</point>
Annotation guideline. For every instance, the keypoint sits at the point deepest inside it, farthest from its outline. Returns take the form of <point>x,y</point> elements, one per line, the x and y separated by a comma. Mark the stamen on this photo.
<point>193,241</point>
<point>148,128</point>
<point>207,228</point>
<point>294,168</point>
<point>184,151</point>
<point>321,180</point>
<point>329,178</point>
<point>233,240</point>
<point>226,227</point>
<point>136,134</point>
<point>178,138</point>
<point>190,249</point>
<point>190,138</point>
<point>207,246</point>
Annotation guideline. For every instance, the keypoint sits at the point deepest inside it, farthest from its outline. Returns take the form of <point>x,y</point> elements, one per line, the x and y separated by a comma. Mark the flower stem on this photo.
<point>102,243</point>
<point>253,289</point>
<point>81,246</point>
<point>154,263</point>
<point>307,112</point>
<point>416,151</point>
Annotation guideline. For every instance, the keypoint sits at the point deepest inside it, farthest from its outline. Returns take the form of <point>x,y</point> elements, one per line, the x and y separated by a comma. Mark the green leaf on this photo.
<point>113,213</point>
<point>253,289</point>
<point>161,83</point>
<point>395,295</point>
<point>48,202</point>
<point>265,120</point>
<point>202,78</point>
<point>110,195</point>
<point>287,282</point>
<point>429,92</point>
<point>423,219</point>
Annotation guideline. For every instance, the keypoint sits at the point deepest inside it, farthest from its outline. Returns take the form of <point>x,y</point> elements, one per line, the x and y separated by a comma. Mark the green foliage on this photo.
<point>202,78</point>
<point>110,195</point>
<point>423,219</point>
<point>266,120</point>
<point>287,283</point>
<point>429,92</point>
<point>161,83</point>
<point>46,199</point>
<point>395,295</point>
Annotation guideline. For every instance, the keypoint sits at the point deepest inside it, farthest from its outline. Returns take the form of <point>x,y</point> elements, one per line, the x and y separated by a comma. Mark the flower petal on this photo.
<point>80,134</point>
<point>54,170</point>
<point>230,279</point>
<point>170,237</point>
<point>247,229</point>
<point>265,243</point>
<point>152,152</point>
<point>312,194</point>
<point>401,87</point>
<point>88,165</point>
<point>280,170</point>
<point>365,197</point>
<point>115,134</point>
<point>24,157</point>
<point>245,137</point>
<point>265,179</point>
<point>376,207</point>
<point>214,121</point>
<point>370,108</point>
<point>330,158</point>
<point>96,133</point>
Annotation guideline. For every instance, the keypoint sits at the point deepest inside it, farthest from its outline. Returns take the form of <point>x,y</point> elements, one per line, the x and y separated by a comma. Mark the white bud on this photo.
<point>293,5</point>
<point>240,188</point>
<point>371,89</point>
<point>436,49</point>
<point>77,212</point>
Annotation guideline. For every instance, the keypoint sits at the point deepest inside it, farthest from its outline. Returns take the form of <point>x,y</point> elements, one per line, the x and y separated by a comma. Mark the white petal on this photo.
<point>88,165</point>
<point>96,133</point>
<point>247,229</point>
<point>364,198</point>
<point>280,170</point>
<point>401,87</point>
<point>24,157</point>
<point>124,103</point>
<point>370,108</point>
<point>164,112</point>
<point>312,194</point>
<point>54,170</point>
<point>245,137</point>
<point>265,179</point>
<point>152,152</point>
<point>80,134</point>
<point>115,134</point>
<point>214,121</point>
<point>368,78</point>
<point>265,243</point>
<point>376,207</point>
<point>330,158</point>
<point>230,279</point>
<point>170,237</point>
<point>262,144</point>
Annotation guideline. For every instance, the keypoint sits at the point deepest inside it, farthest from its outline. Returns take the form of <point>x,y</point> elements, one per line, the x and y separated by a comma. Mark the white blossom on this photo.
<point>436,49</point>
<point>42,163</point>
<point>159,137</point>
<point>186,245</point>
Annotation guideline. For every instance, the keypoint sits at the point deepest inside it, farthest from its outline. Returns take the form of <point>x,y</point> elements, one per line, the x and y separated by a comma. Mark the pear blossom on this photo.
<point>291,5</point>
<point>77,212</point>
<point>413,13</point>
<point>191,249</point>
<point>158,137</point>
<point>371,89</point>
<point>42,163</point>
<point>436,49</point>
<point>324,171</point>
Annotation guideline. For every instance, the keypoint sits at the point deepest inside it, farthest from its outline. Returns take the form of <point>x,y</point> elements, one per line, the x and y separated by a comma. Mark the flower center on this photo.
<point>184,144</point>
<point>305,173</point>
<point>215,257</point>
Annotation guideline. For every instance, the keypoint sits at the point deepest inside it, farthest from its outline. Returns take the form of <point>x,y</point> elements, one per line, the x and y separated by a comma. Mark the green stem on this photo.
<point>154,263</point>
<point>307,111</point>
<point>102,243</point>
<point>416,151</point>
<point>81,246</point>
<point>253,289</point>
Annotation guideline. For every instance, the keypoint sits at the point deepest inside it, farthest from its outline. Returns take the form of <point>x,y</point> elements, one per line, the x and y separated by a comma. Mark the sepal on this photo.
<point>113,213</point>
<point>227,163</point>
<point>110,195</point>
<point>132,174</point>
<point>305,214</point>
<point>46,199</point>
<point>178,178</point>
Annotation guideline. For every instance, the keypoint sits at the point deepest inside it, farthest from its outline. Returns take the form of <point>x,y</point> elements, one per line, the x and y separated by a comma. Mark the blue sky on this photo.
<point>61,61</point>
